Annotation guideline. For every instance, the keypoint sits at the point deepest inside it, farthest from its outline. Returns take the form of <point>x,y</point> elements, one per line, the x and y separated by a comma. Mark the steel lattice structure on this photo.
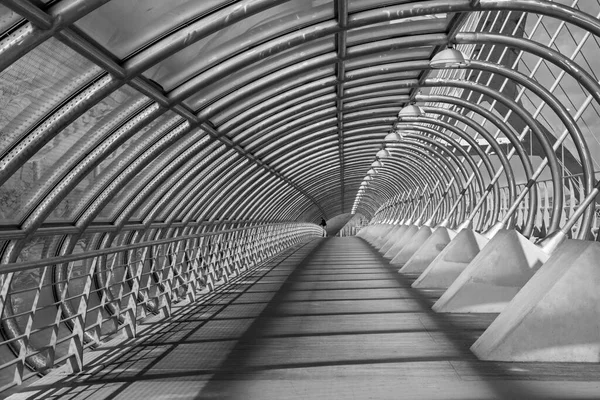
<point>148,153</point>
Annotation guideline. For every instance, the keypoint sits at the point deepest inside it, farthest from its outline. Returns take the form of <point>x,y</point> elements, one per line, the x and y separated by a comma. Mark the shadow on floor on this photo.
<point>308,336</point>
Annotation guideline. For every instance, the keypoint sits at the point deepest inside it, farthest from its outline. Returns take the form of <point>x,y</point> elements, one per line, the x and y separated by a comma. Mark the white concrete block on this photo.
<point>494,276</point>
<point>452,260</point>
<point>392,238</point>
<point>383,239</point>
<point>429,250</point>
<point>555,316</point>
<point>412,243</point>
<point>401,241</point>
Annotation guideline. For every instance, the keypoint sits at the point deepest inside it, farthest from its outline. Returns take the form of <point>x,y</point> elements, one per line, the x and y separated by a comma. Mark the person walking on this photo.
<point>324,225</point>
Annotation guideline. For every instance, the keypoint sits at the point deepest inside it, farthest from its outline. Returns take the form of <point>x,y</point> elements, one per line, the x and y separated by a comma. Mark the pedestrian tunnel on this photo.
<point>151,152</point>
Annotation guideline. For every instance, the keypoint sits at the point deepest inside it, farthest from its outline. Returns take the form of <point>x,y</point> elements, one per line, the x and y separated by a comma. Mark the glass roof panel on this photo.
<point>421,53</point>
<point>259,112</point>
<point>376,94</point>
<point>272,64</point>
<point>8,18</point>
<point>173,152</point>
<point>216,166</point>
<point>272,142</point>
<point>37,83</point>
<point>393,29</point>
<point>125,26</point>
<point>283,126</point>
<point>363,5</point>
<point>237,125</point>
<point>330,142</point>
<point>264,21</point>
<point>109,212</point>
<point>33,176</point>
<point>71,203</point>
<point>245,102</point>
<point>395,76</point>
<point>219,47</point>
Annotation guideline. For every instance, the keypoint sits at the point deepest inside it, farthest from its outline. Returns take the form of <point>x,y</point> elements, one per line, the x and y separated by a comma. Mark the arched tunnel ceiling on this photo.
<point>126,112</point>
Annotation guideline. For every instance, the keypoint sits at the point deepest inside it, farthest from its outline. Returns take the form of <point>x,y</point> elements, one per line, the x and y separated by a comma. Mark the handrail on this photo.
<point>119,291</point>
<point>23,266</point>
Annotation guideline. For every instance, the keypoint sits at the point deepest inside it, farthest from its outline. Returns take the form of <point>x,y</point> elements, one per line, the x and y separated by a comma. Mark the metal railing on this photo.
<point>56,307</point>
<point>573,194</point>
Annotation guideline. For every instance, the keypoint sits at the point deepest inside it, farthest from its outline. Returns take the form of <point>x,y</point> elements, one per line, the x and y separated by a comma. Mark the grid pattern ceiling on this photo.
<point>120,110</point>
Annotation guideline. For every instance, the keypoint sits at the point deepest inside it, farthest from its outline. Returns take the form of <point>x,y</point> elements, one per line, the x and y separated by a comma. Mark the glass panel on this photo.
<point>217,178</point>
<point>216,167</point>
<point>236,127</point>
<point>124,26</point>
<point>395,29</point>
<point>186,63</point>
<point>8,18</point>
<point>260,70</point>
<point>282,127</point>
<point>24,184</point>
<point>362,5</point>
<point>396,76</point>
<point>376,94</point>
<point>110,210</point>
<point>37,83</point>
<point>108,168</point>
<point>421,53</point>
<point>207,156</point>
<point>242,104</point>
<point>275,157</point>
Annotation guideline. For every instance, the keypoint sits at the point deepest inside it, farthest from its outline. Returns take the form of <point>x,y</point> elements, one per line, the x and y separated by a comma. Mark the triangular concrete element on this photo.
<point>494,276</point>
<point>408,235</point>
<point>413,244</point>
<point>366,231</point>
<point>402,241</point>
<point>452,260</point>
<point>394,240</point>
<point>377,241</point>
<point>377,231</point>
<point>372,231</point>
<point>439,239</point>
<point>381,241</point>
<point>393,237</point>
<point>363,232</point>
<point>555,316</point>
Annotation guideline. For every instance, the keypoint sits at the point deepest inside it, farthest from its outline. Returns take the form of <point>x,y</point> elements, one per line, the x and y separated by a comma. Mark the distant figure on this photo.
<point>324,225</point>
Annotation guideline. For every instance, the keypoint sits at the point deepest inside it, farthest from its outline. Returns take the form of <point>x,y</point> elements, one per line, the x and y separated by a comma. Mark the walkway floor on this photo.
<point>327,320</point>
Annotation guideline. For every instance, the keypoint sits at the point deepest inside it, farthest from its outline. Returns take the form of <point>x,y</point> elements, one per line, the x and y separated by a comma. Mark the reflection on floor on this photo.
<point>328,319</point>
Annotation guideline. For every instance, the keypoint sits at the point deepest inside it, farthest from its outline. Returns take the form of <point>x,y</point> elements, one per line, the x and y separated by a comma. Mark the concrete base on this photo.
<point>452,260</point>
<point>372,232</point>
<point>413,242</point>
<point>401,242</point>
<point>555,316</point>
<point>429,250</point>
<point>382,241</point>
<point>363,232</point>
<point>381,232</point>
<point>494,276</point>
<point>393,238</point>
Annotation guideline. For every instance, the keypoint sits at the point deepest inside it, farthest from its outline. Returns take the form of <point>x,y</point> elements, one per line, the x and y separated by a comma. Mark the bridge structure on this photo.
<point>164,166</point>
